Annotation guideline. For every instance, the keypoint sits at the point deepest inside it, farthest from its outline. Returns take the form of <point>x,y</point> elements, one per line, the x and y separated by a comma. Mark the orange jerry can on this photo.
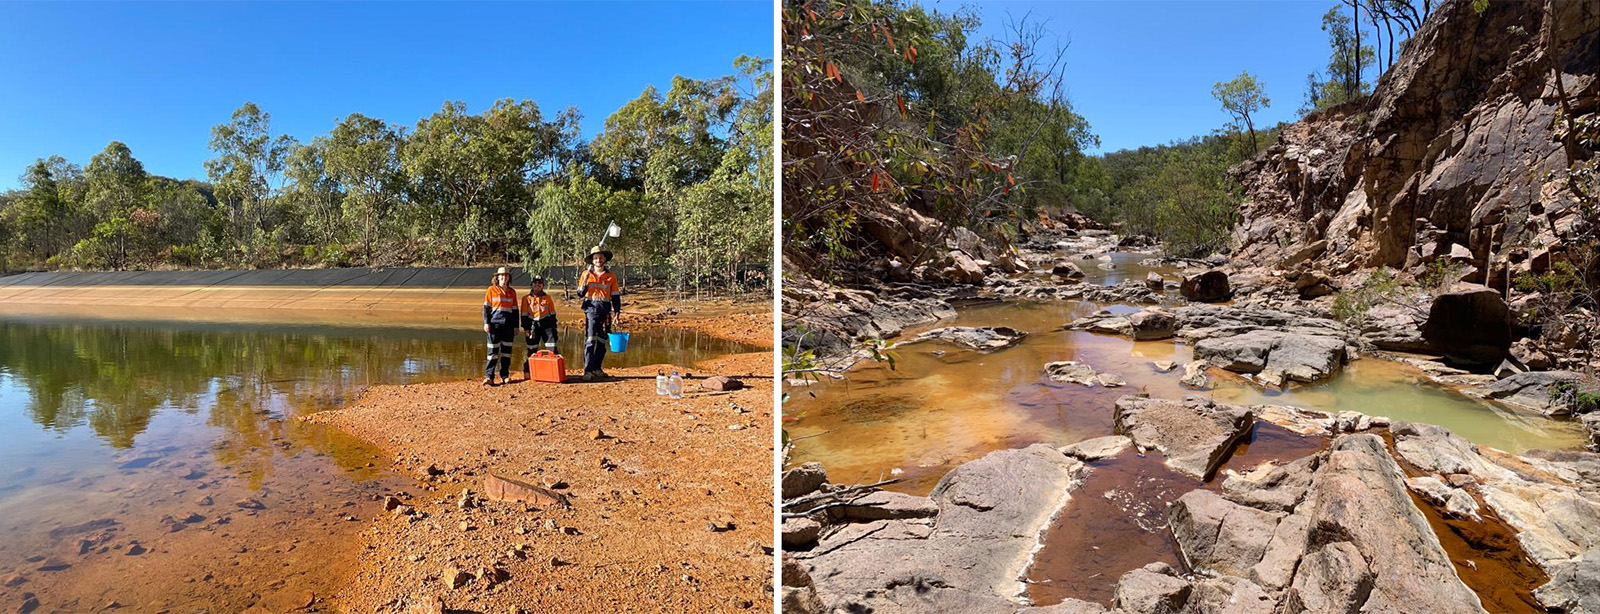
<point>548,366</point>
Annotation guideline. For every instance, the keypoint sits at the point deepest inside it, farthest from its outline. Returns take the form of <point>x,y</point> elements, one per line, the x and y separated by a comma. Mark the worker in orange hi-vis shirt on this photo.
<point>602,300</point>
<point>538,321</point>
<point>500,324</point>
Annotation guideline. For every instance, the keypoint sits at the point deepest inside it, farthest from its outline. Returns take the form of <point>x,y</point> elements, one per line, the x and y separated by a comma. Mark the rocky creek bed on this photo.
<point>1097,443</point>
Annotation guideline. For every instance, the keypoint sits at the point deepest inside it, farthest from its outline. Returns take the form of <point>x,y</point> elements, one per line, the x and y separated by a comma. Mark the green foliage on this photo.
<point>688,174</point>
<point>1242,97</point>
<point>1346,64</point>
<point>890,104</point>
<point>1351,306</point>
<point>1440,272</point>
<point>1179,193</point>
<point>1582,400</point>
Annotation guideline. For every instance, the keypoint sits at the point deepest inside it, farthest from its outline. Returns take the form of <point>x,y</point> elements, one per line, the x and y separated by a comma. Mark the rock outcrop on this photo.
<point>1334,532</point>
<point>1453,156</point>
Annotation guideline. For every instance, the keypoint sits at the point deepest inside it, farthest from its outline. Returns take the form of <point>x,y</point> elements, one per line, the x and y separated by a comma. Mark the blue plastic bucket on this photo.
<point>619,342</point>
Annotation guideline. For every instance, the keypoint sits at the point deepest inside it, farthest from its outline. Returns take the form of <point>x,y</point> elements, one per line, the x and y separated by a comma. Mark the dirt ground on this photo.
<point>670,500</point>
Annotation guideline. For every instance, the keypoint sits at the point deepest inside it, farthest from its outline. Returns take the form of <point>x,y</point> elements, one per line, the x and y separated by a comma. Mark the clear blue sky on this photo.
<point>157,76</point>
<point>1141,71</point>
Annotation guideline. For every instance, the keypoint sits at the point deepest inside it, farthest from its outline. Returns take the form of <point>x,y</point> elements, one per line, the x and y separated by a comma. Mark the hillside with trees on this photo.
<point>688,172</point>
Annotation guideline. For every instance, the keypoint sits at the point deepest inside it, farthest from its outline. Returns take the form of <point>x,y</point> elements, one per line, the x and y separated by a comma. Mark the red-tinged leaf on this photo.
<point>902,102</point>
<point>1010,179</point>
<point>887,36</point>
<point>875,181</point>
<point>861,98</point>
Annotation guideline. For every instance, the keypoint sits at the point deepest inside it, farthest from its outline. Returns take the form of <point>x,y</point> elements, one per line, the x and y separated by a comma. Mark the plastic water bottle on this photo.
<point>675,386</point>
<point>661,383</point>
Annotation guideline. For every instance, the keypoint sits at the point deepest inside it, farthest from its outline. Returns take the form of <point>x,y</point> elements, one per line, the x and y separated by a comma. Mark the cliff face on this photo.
<point>1452,155</point>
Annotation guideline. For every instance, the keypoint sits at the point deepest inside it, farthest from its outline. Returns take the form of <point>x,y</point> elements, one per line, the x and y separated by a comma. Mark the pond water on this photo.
<point>942,405</point>
<point>159,465</point>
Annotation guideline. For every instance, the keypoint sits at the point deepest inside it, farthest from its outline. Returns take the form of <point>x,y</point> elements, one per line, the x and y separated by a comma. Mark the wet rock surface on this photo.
<point>1196,435</point>
<point>1074,372</point>
<point>1551,500</point>
<point>970,557</point>
<point>980,338</point>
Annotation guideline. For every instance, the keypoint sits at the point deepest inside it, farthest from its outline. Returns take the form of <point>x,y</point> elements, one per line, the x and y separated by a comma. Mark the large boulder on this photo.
<point>1208,287</point>
<point>1469,324</point>
<point>803,480</point>
<point>1153,323</point>
<point>1195,434</point>
<point>1394,561</point>
<point>1277,356</point>
<point>1152,589</point>
<point>1067,270</point>
<point>963,269</point>
<point>1575,588</point>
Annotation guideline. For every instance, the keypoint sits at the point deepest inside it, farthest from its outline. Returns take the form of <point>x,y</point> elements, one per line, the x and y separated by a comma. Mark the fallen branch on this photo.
<point>836,493</point>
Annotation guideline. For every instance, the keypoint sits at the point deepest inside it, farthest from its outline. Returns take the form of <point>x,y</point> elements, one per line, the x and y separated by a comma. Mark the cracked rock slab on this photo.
<point>1196,435</point>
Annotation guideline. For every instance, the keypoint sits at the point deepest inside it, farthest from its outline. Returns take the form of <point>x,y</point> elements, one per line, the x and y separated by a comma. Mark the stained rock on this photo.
<point>1195,434</point>
<point>1194,375</point>
<point>498,488</point>
<point>803,480</point>
<point>969,559</point>
<point>1067,270</point>
<point>1153,323</point>
<point>1098,448</point>
<point>980,338</point>
<point>1071,372</point>
<point>886,505</point>
<point>721,383</point>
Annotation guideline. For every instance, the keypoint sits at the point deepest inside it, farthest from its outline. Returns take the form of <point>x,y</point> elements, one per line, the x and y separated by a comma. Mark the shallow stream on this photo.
<point>942,405</point>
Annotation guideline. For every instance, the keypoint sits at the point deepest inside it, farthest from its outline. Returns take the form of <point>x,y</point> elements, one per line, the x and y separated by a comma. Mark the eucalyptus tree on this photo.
<point>315,195</point>
<point>117,188</point>
<point>362,156</point>
<point>249,160</point>
<point>1242,97</point>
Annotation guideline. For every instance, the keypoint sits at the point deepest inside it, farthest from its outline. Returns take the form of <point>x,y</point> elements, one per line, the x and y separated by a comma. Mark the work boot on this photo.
<point>488,381</point>
<point>600,373</point>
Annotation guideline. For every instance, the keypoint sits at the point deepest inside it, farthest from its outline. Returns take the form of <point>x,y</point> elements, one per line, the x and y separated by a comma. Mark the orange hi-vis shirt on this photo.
<point>499,304</point>
<point>537,307</point>
<point>602,286</point>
